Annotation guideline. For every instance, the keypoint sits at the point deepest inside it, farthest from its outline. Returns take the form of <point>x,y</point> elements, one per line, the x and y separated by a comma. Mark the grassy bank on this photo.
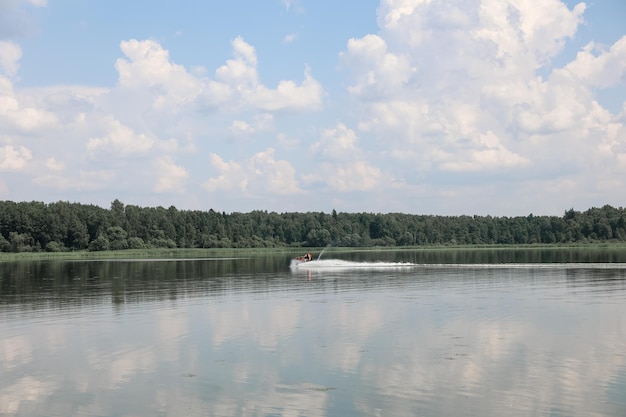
<point>230,252</point>
<point>144,254</point>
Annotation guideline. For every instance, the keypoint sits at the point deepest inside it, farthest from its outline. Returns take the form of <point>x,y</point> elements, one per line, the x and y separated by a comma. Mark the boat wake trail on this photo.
<point>341,265</point>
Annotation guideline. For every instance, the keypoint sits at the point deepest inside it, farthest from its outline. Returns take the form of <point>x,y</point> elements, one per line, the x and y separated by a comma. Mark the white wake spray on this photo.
<point>339,264</point>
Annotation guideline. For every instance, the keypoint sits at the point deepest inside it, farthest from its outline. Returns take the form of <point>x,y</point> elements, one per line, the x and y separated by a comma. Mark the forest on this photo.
<point>64,226</point>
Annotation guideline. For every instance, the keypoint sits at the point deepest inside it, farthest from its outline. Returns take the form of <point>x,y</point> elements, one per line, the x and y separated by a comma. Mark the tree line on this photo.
<point>64,226</point>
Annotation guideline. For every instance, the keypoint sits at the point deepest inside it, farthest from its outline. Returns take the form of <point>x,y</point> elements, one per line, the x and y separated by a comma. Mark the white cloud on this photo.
<point>290,4</point>
<point>14,159</point>
<point>353,176</point>
<point>491,155</point>
<point>84,180</point>
<point>337,143</point>
<point>148,67</point>
<point>170,177</point>
<point>240,127</point>
<point>343,165</point>
<point>260,122</point>
<point>10,54</point>
<point>288,142</point>
<point>598,67</point>
<point>151,76</point>
<point>16,18</point>
<point>53,165</point>
<point>241,75</point>
<point>146,63</point>
<point>290,38</point>
<point>120,140</point>
<point>18,115</point>
<point>288,95</point>
<point>240,72</point>
<point>258,175</point>
<point>457,87</point>
<point>378,72</point>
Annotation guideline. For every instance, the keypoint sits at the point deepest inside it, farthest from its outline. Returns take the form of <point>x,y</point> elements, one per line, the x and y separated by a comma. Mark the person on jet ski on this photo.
<point>306,257</point>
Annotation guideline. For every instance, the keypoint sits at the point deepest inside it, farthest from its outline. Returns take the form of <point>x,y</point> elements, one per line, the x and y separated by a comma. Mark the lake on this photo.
<point>457,333</point>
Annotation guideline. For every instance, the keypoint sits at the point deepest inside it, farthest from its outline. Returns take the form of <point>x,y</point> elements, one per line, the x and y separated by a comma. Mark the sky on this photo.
<point>442,107</point>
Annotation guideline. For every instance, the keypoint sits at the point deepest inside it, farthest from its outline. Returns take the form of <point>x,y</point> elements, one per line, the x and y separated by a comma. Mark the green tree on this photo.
<point>5,246</point>
<point>318,238</point>
<point>54,247</point>
<point>117,238</point>
<point>21,242</point>
<point>101,243</point>
<point>136,243</point>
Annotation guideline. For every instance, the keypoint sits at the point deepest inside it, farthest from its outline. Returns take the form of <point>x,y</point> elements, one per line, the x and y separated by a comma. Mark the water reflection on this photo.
<point>249,338</point>
<point>36,284</point>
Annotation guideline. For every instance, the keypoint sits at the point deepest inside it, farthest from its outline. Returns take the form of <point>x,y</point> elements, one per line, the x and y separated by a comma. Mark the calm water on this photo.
<point>250,337</point>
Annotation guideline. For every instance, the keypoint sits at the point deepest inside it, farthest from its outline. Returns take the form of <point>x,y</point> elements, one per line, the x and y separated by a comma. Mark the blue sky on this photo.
<point>419,106</point>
